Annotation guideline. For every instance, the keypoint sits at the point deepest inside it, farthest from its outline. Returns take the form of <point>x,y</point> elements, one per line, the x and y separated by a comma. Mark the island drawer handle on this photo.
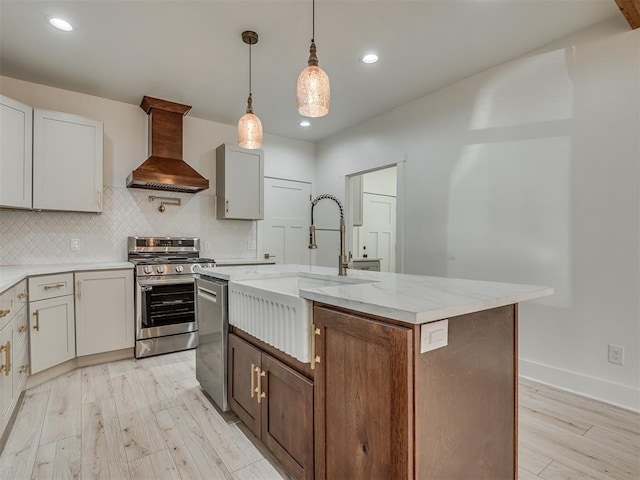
<point>57,285</point>
<point>23,295</point>
<point>4,313</point>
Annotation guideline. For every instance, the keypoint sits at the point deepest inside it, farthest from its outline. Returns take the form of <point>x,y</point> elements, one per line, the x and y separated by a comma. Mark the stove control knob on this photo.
<point>160,269</point>
<point>147,269</point>
<point>196,267</point>
<point>179,268</point>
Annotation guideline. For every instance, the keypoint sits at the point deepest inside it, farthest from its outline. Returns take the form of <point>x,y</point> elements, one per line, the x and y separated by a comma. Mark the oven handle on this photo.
<point>166,281</point>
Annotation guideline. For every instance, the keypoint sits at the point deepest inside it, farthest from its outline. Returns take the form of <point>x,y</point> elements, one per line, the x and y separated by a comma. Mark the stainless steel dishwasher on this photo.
<point>213,325</point>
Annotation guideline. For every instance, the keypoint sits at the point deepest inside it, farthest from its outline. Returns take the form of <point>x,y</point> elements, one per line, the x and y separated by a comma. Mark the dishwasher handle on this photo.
<point>208,294</point>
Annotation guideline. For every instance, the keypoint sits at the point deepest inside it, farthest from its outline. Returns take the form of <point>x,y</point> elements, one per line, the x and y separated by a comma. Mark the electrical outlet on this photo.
<point>251,244</point>
<point>207,245</point>
<point>616,354</point>
<point>74,244</point>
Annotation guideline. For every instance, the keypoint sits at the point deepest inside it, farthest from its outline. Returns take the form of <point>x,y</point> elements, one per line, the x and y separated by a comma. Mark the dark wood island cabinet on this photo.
<point>377,408</point>
<point>383,410</point>
<point>274,401</point>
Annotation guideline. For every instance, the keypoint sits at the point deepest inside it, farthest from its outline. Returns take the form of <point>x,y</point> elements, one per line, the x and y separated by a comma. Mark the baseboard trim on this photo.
<point>622,396</point>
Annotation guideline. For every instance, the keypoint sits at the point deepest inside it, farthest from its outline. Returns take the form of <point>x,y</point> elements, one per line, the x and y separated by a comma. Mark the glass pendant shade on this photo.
<point>249,125</point>
<point>249,131</point>
<point>313,93</point>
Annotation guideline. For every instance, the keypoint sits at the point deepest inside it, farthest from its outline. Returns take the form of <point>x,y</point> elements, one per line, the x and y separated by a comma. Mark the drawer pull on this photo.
<point>253,383</point>
<point>36,327</point>
<point>23,369</point>
<point>314,358</point>
<point>23,295</point>
<point>57,285</point>
<point>259,391</point>
<point>6,368</point>
<point>4,313</point>
<point>22,329</point>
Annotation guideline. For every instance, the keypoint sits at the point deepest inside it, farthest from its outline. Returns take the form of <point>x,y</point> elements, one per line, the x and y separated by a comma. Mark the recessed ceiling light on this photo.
<point>61,24</point>
<point>370,58</point>
<point>305,123</point>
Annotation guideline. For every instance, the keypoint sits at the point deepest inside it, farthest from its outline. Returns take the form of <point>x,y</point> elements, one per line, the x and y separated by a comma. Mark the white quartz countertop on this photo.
<point>412,299</point>
<point>12,274</point>
<point>243,261</point>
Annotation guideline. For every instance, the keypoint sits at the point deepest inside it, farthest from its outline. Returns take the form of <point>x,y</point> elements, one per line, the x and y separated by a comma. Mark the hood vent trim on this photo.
<point>165,169</point>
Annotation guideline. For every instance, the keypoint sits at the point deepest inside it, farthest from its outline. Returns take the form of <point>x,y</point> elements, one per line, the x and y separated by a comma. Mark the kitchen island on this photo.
<point>414,377</point>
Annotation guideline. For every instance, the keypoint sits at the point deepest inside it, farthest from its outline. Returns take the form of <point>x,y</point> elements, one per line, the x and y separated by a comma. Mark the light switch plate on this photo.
<point>434,335</point>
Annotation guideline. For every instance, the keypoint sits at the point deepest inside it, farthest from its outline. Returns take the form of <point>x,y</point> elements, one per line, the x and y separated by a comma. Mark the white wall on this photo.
<point>29,237</point>
<point>529,173</point>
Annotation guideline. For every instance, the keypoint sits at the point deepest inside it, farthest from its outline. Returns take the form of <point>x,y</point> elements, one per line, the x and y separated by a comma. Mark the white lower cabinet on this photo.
<point>6,379</point>
<point>104,311</point>
<point>14,362</point>
<point>52,321</point>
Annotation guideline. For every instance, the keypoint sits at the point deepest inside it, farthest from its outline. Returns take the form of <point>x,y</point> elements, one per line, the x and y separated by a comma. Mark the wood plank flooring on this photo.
<point>148,419</point>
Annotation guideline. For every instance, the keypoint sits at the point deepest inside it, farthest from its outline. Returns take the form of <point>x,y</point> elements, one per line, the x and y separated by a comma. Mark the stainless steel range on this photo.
<point>165,274</point>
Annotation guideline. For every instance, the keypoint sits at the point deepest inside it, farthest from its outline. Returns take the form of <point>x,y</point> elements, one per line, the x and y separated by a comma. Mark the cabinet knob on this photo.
<point>22,329</point>
<point>4,313</point>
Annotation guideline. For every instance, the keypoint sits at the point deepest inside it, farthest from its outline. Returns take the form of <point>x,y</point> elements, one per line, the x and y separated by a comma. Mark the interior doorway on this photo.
<point>372,217</point>
<point>283,235</point>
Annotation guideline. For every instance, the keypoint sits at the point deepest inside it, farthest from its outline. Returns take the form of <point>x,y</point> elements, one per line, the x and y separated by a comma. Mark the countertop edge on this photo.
<point>442,307</point>
<point>10,275</point>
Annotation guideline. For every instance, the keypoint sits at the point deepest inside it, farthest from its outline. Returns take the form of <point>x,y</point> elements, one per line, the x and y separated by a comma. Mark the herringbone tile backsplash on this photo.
<point>28,237</point>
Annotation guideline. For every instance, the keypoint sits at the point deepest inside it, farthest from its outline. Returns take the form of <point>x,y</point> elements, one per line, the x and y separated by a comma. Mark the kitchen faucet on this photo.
<point>344,262</point>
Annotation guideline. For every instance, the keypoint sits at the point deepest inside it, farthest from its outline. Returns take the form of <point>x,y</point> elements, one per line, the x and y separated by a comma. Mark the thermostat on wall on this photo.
<point>434,335</point>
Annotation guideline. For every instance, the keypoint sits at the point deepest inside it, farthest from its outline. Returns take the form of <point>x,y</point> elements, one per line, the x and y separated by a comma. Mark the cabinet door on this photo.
<point>67,162</point>
<point>6,373</point>
<point>53,339</point>
<point>363,403</point>
<point>104,311</point>
<point>242,376</point>
<point>240,183</point>
<point>287,417</point>
<point>16,120</point>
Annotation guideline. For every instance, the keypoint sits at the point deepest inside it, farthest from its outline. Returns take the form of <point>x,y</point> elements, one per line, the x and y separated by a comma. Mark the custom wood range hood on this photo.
<point>165,169</point>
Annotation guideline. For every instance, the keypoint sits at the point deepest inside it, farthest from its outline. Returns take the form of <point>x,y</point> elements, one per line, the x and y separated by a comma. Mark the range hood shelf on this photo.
<point>165,169</point>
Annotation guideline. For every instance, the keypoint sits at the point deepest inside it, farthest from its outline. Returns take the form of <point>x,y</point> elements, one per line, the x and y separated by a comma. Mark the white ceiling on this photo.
<point>192,52</point>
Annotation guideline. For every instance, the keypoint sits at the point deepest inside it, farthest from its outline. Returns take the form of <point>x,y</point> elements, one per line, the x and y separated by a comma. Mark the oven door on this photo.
<point>165,306</point>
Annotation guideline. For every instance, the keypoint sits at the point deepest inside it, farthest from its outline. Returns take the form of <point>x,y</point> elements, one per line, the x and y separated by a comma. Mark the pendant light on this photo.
<point>313,92</point>
<point>249,125</point>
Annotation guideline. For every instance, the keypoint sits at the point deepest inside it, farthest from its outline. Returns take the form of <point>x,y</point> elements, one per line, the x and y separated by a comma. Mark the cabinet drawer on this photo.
<point>373,265</point>
<point>6,314</point>
<point>20,295</point>
<point>50,286</point>
<point>20,369</point>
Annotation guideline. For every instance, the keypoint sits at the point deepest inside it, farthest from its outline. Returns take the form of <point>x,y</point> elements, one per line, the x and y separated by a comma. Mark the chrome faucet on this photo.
<point>344,261</point>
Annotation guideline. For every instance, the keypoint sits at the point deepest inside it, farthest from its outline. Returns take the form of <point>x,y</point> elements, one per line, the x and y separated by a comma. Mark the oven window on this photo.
<point>168,305</point>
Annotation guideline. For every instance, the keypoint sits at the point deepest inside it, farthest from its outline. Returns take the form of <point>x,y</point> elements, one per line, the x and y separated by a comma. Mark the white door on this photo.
<point>53,332</point>
<point>284,232</point>
<point>378,230</point>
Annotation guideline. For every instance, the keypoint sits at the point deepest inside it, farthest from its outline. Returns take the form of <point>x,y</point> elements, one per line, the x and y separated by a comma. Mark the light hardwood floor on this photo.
<point>148,419</point>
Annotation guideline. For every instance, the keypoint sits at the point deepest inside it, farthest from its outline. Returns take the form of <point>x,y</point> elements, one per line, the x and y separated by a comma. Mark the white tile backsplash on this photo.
<point>28,237</point>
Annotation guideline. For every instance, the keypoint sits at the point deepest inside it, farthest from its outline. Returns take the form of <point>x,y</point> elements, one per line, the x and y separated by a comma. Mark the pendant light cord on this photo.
<point>249,69</point>
<point>313,20</point>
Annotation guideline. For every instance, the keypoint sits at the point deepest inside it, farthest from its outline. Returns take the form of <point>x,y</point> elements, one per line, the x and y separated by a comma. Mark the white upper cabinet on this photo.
<point>67,162</point>
<point>239,183</point>
<point>15,153</point>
